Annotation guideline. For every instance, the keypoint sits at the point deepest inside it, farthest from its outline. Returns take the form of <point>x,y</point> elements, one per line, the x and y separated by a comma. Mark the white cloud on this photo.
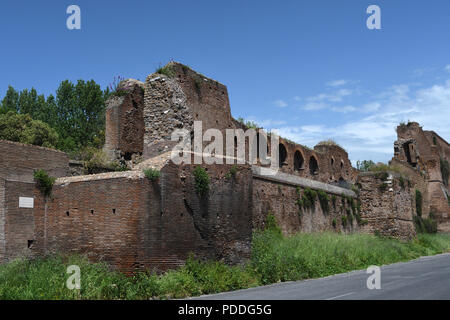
<point>331,97</point>
<point>371,132</point>
<point>280,103</point>
<point>313,106</point>
<point>337,83</point>
<point>344,109</point>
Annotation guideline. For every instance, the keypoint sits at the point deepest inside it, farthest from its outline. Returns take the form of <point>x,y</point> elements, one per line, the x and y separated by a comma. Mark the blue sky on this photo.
<point>309,68</point>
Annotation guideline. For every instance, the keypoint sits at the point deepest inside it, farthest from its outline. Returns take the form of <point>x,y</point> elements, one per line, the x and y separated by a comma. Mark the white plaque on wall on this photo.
<point>25,202</point>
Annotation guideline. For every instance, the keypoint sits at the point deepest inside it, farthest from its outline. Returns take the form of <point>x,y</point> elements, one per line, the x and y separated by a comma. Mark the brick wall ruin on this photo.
<point>134,223</point>
<point>422,153</point>
<point>387,206</point>
<point>17,165</point>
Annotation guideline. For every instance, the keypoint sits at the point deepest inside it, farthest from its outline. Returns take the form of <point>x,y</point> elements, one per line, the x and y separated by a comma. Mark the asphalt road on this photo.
<point>424,278</point>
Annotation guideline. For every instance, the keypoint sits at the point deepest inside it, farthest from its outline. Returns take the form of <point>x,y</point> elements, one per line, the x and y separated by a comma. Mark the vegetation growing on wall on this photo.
<point>165,70</point>
<point>329,142</point>
<point>232,172</point>
<point>324,201</point>
<point>344,221</point>
<point>201,180</point>
<point>152,174</point>
<point>44,182</point>
<point>307,199</point>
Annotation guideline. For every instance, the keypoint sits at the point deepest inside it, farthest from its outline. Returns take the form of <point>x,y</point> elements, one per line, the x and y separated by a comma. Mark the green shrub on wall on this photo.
<point>309,198</point>
<point>152,174</point>
<point>201,180</point>
<point>44,182</point>
<point>344,221</point>
<point>324,201</point>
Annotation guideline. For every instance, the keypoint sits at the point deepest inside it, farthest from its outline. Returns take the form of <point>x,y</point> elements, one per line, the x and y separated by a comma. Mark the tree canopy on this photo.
<point>76,113</point>
<point>22,128</point>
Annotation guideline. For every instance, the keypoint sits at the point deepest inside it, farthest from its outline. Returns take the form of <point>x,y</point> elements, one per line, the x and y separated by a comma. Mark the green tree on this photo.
<point>76,113</point>
<point>364,165</point>
<point>11,100</point>
<point>22,128</point>
<point>80,114</point>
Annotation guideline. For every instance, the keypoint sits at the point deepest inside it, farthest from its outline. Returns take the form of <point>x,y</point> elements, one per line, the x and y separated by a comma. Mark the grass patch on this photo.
<point>45,279</point>
<point>303,256</point>
<point>274,258</point>
<point>165,70</point>
<point>152,174</point>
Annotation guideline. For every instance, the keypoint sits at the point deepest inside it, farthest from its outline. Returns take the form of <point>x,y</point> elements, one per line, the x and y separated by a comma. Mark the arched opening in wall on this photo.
<point>343,183</point>
<point>313,166</point>
<point>332,161</point>
<point>298,161</point>
<point>282,152</point>
<point>342,164</point>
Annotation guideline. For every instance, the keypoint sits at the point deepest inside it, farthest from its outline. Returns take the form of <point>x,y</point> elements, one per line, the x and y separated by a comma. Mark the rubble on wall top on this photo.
<point>100,176</point>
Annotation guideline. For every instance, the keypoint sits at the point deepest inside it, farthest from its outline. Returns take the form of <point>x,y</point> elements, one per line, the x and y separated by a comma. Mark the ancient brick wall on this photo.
<point>423,150</point>
<point>387,206</point>
<point>2,220</point>
<point>18,161</point>
<point>281,200</point>
<point>18,222</point>
<point>124,131</point>
<point>279,195</point>
<point>181,96</point>
<point>133,223</point>
<point>17,165</point>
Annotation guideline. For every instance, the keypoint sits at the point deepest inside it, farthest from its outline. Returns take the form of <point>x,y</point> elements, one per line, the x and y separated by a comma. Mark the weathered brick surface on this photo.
<point>388,211</point>
<point>422,151</point>
<point>124,131</point>
<point>139,224</point>
<point>281,200</point>
<point>2,220</point>
<point>176,101</point>
<point>18,161</point>
<point>19,222</point>
<point>17,165</point>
